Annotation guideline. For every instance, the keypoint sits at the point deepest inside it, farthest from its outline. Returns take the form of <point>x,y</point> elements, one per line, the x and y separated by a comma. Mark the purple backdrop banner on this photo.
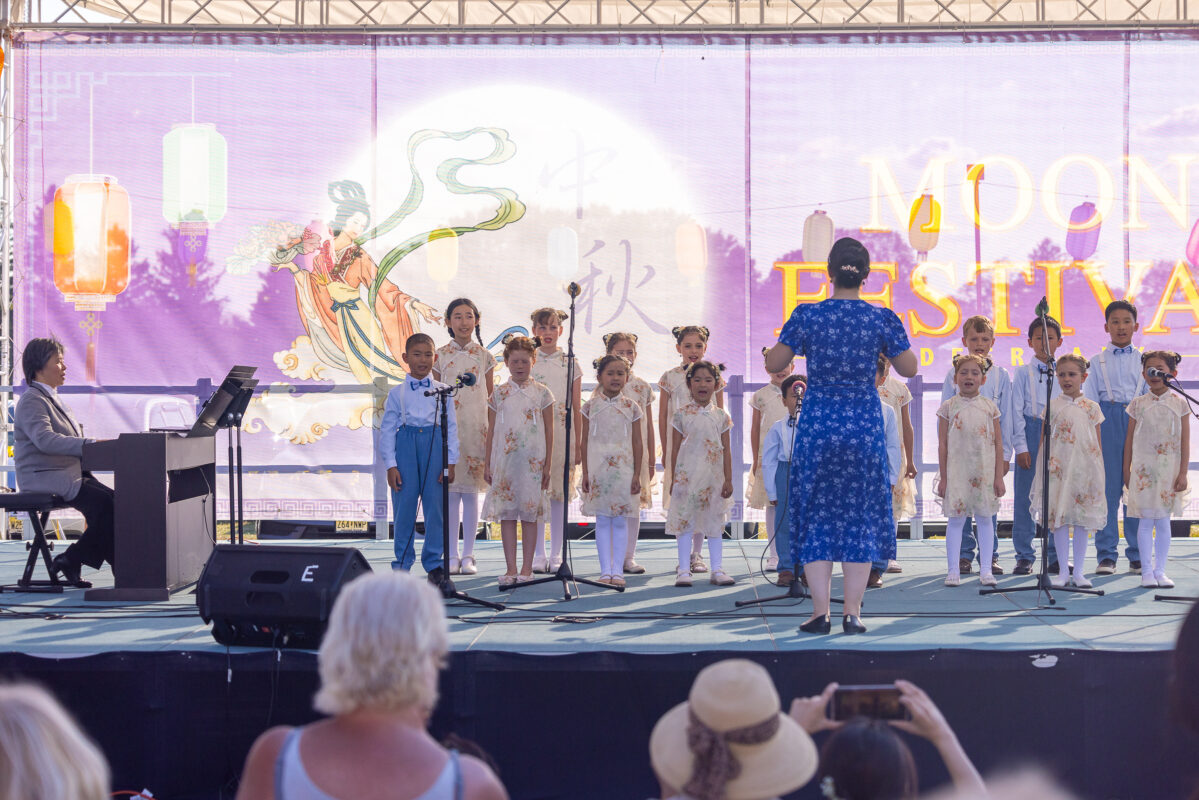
<point>282,192</point>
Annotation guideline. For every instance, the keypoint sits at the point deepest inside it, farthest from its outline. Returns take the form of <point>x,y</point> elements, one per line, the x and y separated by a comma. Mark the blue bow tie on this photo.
<point>1125,349</point>
<point>414,385</point>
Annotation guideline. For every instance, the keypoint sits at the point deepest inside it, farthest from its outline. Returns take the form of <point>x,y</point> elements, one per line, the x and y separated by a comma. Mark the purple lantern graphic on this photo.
<point>1083,235</point>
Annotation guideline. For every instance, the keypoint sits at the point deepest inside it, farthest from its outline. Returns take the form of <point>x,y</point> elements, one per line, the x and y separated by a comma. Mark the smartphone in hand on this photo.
<point>878,701</point>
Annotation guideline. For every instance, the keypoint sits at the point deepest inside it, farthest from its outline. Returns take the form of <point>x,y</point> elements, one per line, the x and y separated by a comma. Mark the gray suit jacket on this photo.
<point>48,447</point>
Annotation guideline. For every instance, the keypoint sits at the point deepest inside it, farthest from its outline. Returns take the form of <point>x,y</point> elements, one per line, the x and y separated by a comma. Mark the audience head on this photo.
<point>37,354</point>
<point>43,753</point>
<point>866,760</point>
<point>729,740</point>
<point>386,641</point>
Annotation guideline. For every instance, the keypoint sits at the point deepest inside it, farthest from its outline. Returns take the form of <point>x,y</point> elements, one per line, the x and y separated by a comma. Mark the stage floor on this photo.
<point>912,611</point>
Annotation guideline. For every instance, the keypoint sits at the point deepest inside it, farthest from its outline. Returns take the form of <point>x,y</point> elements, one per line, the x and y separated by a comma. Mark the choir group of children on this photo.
<point>1115,435</point>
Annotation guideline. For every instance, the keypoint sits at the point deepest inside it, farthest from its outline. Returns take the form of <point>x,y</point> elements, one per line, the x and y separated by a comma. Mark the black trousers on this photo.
<point>96,545</point>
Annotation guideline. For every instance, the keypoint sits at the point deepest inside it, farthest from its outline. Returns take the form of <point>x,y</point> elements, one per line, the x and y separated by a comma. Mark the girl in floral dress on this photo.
<point>769,408</point>
<point>460,356</point>
<point>1156,453</point>
<point>520,433</point>
<point>550,369</point>
<point>970,455</point>
<point>701,470</point>
<point>691,343</point>
<point>639,391</point>
<point>611,455</point>
<point>1076,493</point>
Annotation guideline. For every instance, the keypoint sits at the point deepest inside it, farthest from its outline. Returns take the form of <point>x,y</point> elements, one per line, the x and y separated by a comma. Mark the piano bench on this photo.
<point>38,506</point>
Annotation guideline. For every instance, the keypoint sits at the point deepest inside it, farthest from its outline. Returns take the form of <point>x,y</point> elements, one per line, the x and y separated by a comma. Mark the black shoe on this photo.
<point>818,625</point>
<point>851,624</point>
<point>965,567</point>
<point>995,568</point>
<point>436,576</point>
<point>1053,568</point>
<point>1106,567</point>
<point>1022,567</point>
<point>70,572</point>
<point>875,580</point>
<point>1134,567</point>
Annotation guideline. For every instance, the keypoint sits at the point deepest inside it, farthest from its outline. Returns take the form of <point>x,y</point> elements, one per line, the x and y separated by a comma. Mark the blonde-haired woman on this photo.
<point>43,753</point>
<point>386,641</point>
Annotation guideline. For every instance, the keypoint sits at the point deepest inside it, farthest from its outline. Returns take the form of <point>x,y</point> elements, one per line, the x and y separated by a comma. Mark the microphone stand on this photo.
<point>564,572</point>
<point>445,585</point>
<point>1172,385</point>
<point>795,589</point>
<point>1043,583</point>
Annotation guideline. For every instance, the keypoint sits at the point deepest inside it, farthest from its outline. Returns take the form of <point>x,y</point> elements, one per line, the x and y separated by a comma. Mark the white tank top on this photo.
<point>292,781</point>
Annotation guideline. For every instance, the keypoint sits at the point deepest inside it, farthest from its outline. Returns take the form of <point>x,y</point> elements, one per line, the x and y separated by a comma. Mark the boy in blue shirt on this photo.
<point>410,448</point>
<point>1115,380</point>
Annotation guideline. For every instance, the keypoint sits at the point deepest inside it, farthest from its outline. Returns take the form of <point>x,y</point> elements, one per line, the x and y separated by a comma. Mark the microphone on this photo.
<point>574,289</point>
<point>1154,372</point>
<point>467,379</point>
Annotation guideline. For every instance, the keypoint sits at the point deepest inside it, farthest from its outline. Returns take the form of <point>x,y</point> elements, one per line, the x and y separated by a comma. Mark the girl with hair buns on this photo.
<point>460,356</point>
<point>1076,480</point>
<point>520,437</point>
<point>637,389</point>
<point>769,408</point>
<point>550,369</point>
<point>840,506</point>
<point>701,474</point>
<point>691,343</point>
<point>970,457</point>
<point>1156,453</point>
<point>611,455</point>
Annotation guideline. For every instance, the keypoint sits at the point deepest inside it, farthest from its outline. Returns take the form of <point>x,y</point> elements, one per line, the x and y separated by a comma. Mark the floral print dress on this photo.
<point>896,394</point>
<point>839,504</point>
<point>769,402</point>
<point>610,456</point>
<point>640,392</point>
<point>517,453</point>
<point>675,394</point>
<point>551,371</point>
<point>470,406</point>
<point>970,484</point>
<point>696,505</point>
<point>1076,478</point>
<point>1156,456</point>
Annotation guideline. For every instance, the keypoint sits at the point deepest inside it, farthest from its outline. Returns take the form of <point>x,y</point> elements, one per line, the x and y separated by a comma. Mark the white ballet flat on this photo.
<point>987,579</point>
<point>953,580</point>
<point>1059,581</point>
<point>1148,581</point>
<point>1081,583</point>
<point>468,566</point>
<point>772,563</point>
<point>454,566</point>
<point>1162,581</point>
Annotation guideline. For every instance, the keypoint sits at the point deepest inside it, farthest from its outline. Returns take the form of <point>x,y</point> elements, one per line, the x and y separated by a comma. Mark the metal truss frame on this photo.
<point>591,15</point>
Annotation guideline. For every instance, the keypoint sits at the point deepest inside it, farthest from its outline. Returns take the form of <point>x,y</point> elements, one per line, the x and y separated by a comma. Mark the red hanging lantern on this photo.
<point>90,244</point>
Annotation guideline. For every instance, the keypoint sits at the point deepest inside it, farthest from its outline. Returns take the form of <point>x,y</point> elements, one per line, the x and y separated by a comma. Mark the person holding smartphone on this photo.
<point>865,758</point>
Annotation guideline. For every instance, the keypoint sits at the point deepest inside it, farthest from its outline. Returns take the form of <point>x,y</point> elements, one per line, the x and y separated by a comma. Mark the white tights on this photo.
<point>986,542</point>
<point>468,503</point>
<point>690,543</point>
<point>1061,542</point>
<point>1153,540</point>
<point>555,534</point>
<point>634,528</point>
<point>611,534</point>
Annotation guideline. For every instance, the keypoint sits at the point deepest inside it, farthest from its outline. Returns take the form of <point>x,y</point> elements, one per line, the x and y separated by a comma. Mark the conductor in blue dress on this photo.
<point>840,501</point>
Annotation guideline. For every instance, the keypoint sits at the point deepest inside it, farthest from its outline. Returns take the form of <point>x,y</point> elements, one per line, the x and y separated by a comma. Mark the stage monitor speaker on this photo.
<point>274,595</point>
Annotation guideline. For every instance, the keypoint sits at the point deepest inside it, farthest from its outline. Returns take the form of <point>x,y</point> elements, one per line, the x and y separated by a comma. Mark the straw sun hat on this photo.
<point>730,739</point>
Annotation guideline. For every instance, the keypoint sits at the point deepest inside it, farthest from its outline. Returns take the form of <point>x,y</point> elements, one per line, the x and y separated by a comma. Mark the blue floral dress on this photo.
<point>840,506</point>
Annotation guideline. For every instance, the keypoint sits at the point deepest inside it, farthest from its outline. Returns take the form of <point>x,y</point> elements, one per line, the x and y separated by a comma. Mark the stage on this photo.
<point>1082,686</point>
